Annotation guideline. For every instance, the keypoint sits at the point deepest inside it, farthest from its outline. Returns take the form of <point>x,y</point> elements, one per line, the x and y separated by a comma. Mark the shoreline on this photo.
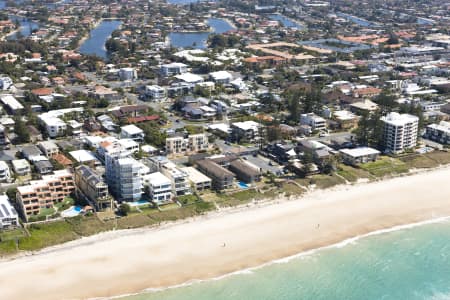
<point>246,230</point>
<point>287,259</point>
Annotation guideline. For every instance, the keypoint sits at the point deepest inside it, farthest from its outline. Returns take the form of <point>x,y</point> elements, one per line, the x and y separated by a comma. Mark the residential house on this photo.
<point>198,180</point>
<point>359,155</point>
<point>9,217</point>
<point>247,130</point>
<point>132,132</point>
<point>155,92</point>
<point>5,174</point>
<point>43,167</point>
<point>314,121</point>
<point>49,148</point>
<point>159,187</point>
<point>173,69</point>
<point>21,167</point>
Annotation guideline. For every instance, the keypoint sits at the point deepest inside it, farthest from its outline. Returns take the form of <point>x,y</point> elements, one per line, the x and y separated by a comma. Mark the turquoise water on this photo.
<point>408,264</point>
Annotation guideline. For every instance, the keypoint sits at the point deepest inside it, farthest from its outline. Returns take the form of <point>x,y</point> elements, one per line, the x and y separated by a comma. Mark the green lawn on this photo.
<point>12,234</point>
<point>45,235</point>
<point>352,174</point>
<point>326,181</point>
<point>385,166</point>
<point>441,157</point>
<point>291,189</point>
<point>245,196</point>
<point>65,204</point>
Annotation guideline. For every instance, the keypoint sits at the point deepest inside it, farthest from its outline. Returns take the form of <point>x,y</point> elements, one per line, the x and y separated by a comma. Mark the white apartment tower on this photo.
<point>400,132</point>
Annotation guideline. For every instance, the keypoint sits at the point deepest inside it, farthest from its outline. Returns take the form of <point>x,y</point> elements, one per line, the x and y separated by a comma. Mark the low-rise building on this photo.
<point>439,132</point>
<point>222,77</point>
<point>221,177</point>
<point>11,104</point>
<point>3,139</point>
<point>244,171</point>
<point>9,217</point>
<point>313,120</point>
<point>359,155</point>
<point>132,132</point>
<point>21,167</point>
<point>44,193</point>
<point>48,148</point>
<point>193,143</point>
<point>159,187</point>
<point>93,188</point>
<point>199,181</point>
<point>31,151</point>
<point>43,166</point>
<point>5,174</point>
<point>155,92</point>
<point>173,69</point>
<point>247,130</point>
<point>179,178</point>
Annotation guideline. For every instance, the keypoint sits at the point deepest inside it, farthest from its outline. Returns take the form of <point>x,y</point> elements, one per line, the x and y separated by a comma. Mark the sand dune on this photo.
<point>130,261</point>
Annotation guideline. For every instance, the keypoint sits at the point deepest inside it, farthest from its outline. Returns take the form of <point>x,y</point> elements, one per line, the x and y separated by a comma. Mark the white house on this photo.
<point>48,148</point>
<point>5,83</point>
<point>8,215</point>
<point>155,92</point>
<point>159,187</point>
<point>127,74</point>
<point>5,174</point>
<point>173,69</point>
<point>21,167</point>
<point>132,132</point>
<point>313,120</point>
<point>359,155</point>
<point>222,77</point>
<point>189,78</point>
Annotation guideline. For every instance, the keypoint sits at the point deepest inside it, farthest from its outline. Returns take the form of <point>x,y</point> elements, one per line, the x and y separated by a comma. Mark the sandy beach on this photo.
<point>124,262</point>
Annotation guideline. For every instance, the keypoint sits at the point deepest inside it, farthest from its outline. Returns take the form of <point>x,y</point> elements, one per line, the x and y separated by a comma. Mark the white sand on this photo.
<point>130,261</point>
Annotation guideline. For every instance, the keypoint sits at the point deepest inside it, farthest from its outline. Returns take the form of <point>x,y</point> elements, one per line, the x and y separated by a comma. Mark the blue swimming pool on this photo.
<point>138,203</point>
<point>243,185</point>
<point>72,212</point>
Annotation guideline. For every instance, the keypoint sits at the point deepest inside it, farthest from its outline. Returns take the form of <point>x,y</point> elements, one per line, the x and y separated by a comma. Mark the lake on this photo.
<point>95,44</point>
<point>285,21</point>
<point>356,20</point>
<point>198,40</point>
<point>26,27</point>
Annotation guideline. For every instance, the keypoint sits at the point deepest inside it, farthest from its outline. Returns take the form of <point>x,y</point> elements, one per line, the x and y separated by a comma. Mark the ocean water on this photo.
<point>412,263</point>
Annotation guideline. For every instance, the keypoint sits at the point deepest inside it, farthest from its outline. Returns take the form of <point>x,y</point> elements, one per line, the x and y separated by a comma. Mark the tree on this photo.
<point>386,102</point>
<point>370,130</point>
<point>21,131</point>
<point>273,133</point>
<point>124,209</point>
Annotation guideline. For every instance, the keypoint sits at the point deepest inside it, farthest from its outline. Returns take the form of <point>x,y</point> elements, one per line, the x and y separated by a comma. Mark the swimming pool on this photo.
<point>72,212</point>
<point>243,185</point>
<point>138,203</point>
